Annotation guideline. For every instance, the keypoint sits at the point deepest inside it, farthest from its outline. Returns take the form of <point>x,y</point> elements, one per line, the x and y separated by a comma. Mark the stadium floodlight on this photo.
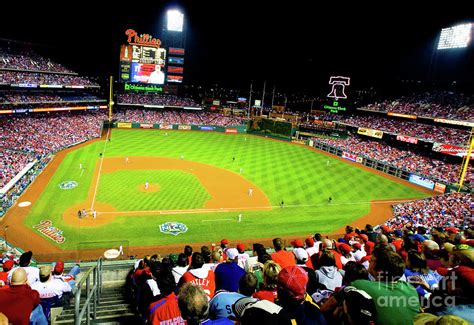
<point>455,37</point>
<point>175,20</point>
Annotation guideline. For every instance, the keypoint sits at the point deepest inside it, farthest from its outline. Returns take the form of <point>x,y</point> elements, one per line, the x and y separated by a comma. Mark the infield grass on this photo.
<point>295,174</point>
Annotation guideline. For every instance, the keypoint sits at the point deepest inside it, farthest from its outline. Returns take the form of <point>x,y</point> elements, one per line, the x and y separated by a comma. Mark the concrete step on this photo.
<point>122,315</point>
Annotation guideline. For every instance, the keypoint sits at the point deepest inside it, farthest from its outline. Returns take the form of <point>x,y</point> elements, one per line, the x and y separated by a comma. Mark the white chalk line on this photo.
<point>100,169</point>
<point>219,210</point>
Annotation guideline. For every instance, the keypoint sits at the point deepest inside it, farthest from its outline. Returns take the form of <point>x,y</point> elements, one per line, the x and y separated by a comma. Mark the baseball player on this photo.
<point>239,218</point>
<point>121,249</point>
<point>327,163</point>
<point>80,166</point>
<point>126,160</point>
<point>94,214</point>
<point>250,192</point>
<point>241,170</point>
<point>146,185</point>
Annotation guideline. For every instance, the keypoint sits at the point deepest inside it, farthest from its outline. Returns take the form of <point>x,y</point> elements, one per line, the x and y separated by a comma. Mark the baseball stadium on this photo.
<point>138,181</point>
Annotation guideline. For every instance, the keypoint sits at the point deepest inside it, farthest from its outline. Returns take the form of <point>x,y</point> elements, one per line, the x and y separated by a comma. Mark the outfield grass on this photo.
<point>295,174</point>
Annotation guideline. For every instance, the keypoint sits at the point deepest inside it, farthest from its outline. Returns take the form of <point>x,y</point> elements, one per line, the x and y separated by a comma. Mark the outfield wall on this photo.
<point>165,126</point>
<point>430,183</point>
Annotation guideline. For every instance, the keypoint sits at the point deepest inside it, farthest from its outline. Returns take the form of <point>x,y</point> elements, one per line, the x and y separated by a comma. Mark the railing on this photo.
<point>92,294</point>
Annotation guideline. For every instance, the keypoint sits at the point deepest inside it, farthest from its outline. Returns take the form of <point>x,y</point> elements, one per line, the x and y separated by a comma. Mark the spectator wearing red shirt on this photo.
<point>281,256</point>
<point>166,310</point>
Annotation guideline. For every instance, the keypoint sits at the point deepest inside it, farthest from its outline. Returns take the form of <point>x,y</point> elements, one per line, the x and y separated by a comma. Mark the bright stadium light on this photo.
<point>455,37</point>
<point>175,20</point>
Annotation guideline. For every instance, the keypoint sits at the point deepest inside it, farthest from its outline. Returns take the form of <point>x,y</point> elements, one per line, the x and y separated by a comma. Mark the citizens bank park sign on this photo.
<point>45,227</point>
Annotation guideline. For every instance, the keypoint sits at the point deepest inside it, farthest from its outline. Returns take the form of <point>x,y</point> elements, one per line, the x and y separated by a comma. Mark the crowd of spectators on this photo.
<point>177,117</point>
<point>12,162</point>
<point>408,160</point>
<point>43,134</point>
<point>442,104</point>
<point>452,210</point>
<point>29,61</point>
<point>418,130</point>
<point>397,273</point>
<point>156,99</point>
<point>14,77</point>
<point>27,98</point>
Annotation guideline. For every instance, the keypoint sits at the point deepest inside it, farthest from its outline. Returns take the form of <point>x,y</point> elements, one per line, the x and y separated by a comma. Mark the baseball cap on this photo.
<point>8,264</point>
<point>360,305</point>
<point>452,229</point>
<point>45,270</point>
<point>464,252</point>
<point>231,253</point>
<point>59,268</point>
<point>386,229</point>
<point>346,248</point>
<point>364,237</point>
<point>248,310</point>
<point>294,280</point>
<point>224,242</point>
<point>25,258</point>
<point>357,245</point>
<point>240,247</point>
<point>398,233</point>
<point>301,254</point>
<point>297,243</point>
<point>309,242</point>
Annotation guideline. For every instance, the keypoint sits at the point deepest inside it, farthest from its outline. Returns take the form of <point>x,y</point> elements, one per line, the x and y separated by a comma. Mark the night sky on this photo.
<point>232,42</point>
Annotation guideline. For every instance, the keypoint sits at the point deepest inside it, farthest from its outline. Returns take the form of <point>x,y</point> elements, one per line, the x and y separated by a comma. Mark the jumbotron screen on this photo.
<point>455,37</point>
<point>142,64</point>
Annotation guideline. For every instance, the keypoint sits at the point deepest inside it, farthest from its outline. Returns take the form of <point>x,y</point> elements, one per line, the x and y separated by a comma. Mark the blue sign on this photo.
<point>418,180</point>
<point>207,128</point>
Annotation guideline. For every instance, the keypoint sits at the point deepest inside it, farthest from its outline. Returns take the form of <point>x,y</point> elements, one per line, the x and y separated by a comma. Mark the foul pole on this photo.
<point>466,160</point>
<point>111,97</point>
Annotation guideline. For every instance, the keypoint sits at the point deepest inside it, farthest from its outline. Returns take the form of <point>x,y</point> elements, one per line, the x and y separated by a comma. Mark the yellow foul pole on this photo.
<point>466,161</point>
<point>111,97</point>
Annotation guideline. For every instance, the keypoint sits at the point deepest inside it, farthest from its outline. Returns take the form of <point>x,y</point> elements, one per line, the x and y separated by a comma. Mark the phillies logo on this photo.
<point>338,84</point>
<point>173,228</point>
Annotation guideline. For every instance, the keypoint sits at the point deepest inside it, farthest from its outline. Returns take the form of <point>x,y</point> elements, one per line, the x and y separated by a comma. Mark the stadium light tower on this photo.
<point>175,20</point>
<point>455,37</point>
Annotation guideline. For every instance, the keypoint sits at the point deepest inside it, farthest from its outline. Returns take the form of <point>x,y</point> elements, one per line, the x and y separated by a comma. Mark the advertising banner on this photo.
<point>359,160</point>
<point>440,188</point>
<point>349,156</point>
<point>184,127</point>
<point>370,133</point>
<point>124,125</point>
<point>231,130</point>
<point>206,128</point>
<point>448,149</point>
<point>166,126</point>
<point>405,138</point>
<point>146,126</point>
<point>418,180</point>
<point>454,122</point>
<point>402,115</point>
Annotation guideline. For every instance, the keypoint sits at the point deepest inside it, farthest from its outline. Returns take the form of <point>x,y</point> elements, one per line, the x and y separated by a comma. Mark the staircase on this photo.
<point>112,309</point>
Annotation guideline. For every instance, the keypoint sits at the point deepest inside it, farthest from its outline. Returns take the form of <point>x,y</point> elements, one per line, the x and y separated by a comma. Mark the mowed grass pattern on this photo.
<point>295,174</point>
<point>178,190</point>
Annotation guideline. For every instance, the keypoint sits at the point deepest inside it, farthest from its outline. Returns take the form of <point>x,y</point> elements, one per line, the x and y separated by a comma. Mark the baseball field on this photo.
<point>198,185</point>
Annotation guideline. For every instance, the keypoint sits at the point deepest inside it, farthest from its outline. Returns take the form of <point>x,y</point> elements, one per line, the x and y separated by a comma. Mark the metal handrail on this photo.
<point>92,293</point>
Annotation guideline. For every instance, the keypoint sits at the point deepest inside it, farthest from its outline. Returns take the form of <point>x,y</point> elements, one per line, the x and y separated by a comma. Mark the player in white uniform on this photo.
<point>146,185</point>
<point>250,192</point>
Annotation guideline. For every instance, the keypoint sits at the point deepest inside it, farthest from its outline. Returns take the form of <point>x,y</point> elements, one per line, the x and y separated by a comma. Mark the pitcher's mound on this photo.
<point>152,188</point>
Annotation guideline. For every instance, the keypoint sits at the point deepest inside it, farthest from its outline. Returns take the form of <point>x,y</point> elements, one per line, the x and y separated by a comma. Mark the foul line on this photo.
<point>268,207</point>
<point>217,220</point>
<point>100,169</point>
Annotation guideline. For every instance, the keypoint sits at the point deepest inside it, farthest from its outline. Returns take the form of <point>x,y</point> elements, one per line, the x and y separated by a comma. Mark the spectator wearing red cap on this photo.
<point>358,253</point>
<point>70,277</point>
<point>452,232</point>
<point>346,252</point>
<point>243,257</point>
<point>297,243</point>
<point>292,296</point>
<point>281,256</point>
<point>310,249</point>
<point>349,233</point>
<point>7,266</point>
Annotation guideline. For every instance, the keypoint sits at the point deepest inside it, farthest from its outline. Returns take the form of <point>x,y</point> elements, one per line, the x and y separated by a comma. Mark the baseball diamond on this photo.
<point>206,185</point>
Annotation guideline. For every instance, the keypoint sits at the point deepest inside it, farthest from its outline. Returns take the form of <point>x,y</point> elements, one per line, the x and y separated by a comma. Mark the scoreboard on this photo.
<point>145,61</point>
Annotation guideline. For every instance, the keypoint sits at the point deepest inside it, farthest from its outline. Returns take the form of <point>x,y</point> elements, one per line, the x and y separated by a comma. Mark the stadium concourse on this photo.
<point>421,258</point>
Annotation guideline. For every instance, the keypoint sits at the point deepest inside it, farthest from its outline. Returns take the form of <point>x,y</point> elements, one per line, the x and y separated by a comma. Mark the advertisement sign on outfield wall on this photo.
<point>404,138</point>
<point>440,188</point>
<point>166,126</point>
<point>370,133</point>
<point>206,128</point>
<point>184,127</point>
<point>230,130</point>
<point>418,180</point>
<point>146,126</point>
<point>121,125</point>
<point>349,156</point>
